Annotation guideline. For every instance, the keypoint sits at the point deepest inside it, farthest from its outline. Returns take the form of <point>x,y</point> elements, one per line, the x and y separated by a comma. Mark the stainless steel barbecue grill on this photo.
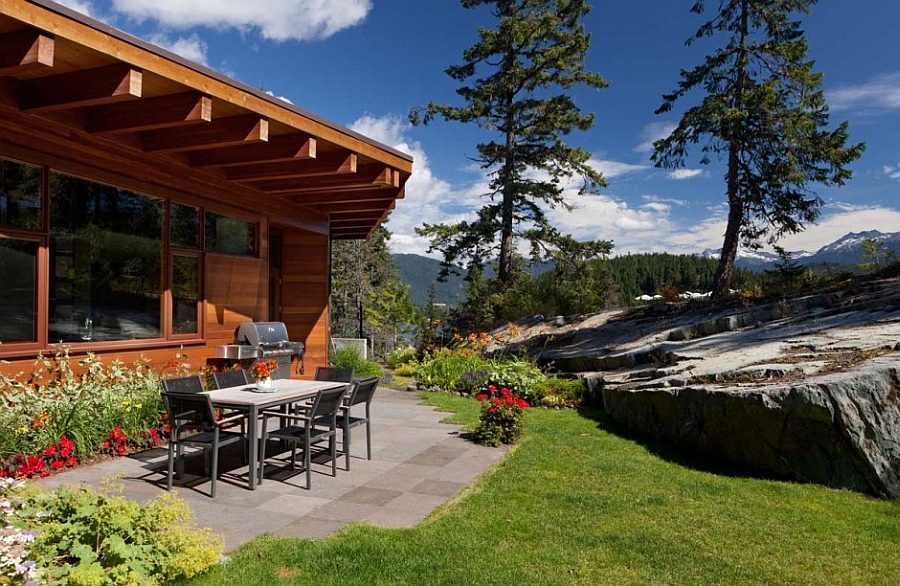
<point>264,341</point>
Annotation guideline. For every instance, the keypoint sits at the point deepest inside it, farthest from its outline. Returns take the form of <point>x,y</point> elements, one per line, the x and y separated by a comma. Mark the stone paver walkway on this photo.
<point>417,464</point>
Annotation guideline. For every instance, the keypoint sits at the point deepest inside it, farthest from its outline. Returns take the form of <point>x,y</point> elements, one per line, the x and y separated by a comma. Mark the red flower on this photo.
<point>492,389</point>
<point>167,429</point>
<point>50,451</point>
<point>522,403</point>
<point>71,462</point>
<point>497,402</point>
<point>121,450</point>
<point>492,410</point>
<point>57,464</point>
<point>64,452</point>
<point>481,397</point>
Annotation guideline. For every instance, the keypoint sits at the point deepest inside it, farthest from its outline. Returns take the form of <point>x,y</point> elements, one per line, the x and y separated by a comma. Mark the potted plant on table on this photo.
<point>263,371</point>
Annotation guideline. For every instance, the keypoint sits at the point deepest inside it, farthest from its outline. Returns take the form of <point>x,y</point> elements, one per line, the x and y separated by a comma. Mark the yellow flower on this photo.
<point>127,409</point>
<point>139,405</point>
<point>23,430</point>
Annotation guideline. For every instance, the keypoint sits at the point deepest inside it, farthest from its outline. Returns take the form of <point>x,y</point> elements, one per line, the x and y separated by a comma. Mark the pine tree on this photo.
<point>537,47</point>
<point>763,112</point>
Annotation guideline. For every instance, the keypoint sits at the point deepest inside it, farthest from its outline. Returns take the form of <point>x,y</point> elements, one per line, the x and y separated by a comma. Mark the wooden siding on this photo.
<point>305,294</point>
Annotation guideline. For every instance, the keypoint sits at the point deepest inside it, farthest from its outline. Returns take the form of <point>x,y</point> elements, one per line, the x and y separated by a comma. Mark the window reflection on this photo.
<point>105,249</point>
<point>20,195</point>
<point>230,235</point>
<point>185,294</point>
<point>18,259</point>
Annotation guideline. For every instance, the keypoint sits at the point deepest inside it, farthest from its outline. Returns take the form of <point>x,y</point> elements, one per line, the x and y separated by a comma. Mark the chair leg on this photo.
<point>215,469</point>
<point>306,463</point>
<point>171,470</point>
<point>347,447</point>
<point>368,441</point>
<point>332,443</point>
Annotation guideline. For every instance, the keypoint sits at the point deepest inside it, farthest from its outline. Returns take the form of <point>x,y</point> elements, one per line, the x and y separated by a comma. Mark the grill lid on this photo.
<point>265,334</point>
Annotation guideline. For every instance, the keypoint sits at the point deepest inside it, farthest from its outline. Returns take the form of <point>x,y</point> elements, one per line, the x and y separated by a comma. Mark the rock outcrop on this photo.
<point>806,389</point>
<point>840,430</point>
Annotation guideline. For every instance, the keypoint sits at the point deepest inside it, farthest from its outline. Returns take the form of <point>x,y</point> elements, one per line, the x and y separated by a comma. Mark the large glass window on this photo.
<point>230,235</point>
<point>18,262</point>
<point>185,294</point>
<point>184,226</point>
<point>20,195</point>
<point>105,269</point>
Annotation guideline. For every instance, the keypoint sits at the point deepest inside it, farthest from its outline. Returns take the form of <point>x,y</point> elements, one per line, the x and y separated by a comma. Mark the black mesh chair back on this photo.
<point>361,394</point>
<point>187,384</point>
<point>316,425</point>
<point>230,378</point>
<point>329,373</point>
<point>192,422</point>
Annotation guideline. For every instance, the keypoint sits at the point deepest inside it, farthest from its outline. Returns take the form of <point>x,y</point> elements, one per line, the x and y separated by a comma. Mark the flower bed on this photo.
<point>52,418</point>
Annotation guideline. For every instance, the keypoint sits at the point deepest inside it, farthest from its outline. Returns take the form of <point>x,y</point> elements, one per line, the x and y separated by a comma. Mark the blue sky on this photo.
<point>365,63</point>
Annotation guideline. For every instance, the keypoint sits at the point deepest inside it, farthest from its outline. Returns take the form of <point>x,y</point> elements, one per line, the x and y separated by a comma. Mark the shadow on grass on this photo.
<point>674,453</point>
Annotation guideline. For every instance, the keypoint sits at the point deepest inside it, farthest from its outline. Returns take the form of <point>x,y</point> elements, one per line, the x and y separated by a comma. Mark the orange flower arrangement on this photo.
<point>264,369</point>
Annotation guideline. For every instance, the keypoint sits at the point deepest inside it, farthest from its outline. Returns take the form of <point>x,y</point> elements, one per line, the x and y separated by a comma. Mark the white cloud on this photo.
<point>834,224</point>
<point>651,133</point>
<point>429,199</point>
<point>282,98</point>
<point>277,20</point>
<point>615,168</point>
<point>83,6</point>
<point>679,174</point>
<point>192,47</point>
<point>882,92</point>
<point>893,172</point>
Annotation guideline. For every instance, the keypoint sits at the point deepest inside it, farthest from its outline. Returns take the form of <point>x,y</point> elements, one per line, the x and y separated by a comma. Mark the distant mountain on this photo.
<point>846,250</point>
<point>420,273</point>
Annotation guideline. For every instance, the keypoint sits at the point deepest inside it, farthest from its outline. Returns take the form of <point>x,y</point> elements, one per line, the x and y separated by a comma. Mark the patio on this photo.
<point>417,464</point>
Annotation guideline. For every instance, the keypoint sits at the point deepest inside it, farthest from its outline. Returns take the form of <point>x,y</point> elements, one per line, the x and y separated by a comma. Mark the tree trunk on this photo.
<point>507,240</point>
<point>735,202</point>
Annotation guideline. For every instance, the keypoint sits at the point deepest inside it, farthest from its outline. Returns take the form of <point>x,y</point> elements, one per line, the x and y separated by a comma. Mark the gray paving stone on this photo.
<point>417,463</point>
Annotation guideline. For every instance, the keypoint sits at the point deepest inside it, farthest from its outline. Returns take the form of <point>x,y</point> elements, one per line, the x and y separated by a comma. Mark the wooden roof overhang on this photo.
<point>111,93</point>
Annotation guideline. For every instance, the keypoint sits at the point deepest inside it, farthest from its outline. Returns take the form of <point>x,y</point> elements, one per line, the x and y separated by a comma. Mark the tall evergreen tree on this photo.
<point>765,113</point>
<point>537,48</point>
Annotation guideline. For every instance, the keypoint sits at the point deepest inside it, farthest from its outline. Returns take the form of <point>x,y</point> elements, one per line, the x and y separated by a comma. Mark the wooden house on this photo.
<point>148,205</point>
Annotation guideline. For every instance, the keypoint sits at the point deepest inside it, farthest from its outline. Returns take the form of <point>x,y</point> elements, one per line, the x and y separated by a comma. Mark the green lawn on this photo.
<point>575,503</point>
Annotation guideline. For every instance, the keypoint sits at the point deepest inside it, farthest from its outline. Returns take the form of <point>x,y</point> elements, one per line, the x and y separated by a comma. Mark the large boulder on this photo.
<point>840,430</point>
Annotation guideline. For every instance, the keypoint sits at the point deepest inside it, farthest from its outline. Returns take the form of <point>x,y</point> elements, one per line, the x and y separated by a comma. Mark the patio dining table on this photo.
<point>252,400</point>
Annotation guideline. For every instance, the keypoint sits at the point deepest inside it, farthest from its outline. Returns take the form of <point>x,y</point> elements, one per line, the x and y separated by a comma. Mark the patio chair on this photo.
<point>330,373</point>
<point>317,425</point>
<point>361,394</point>
<point>193,423</point>
<point>230,378</point>
<point>186,384</point>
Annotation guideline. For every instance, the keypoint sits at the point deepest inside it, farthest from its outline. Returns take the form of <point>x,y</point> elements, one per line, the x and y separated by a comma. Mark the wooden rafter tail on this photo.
<point>25,50</point>
<point>337,196</point>
<point>366,177</point>
<point>336,164</point>
<point>102,85</point>
<point>236,130</point>
<point>150,113</point>
<point>278,148</point>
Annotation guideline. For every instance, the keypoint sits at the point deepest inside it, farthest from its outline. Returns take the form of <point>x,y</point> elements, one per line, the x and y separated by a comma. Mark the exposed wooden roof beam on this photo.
<point>103,85</point>
<point>295,169</point>
<point>359,206</point>
<point>150,113</point>
<point>279,148</point>
<point>366,176</point>
<point>350,234</point>
<point>334,197</point>
<point>236,130</point>
<point>24,50</point>
<point>364,219</point>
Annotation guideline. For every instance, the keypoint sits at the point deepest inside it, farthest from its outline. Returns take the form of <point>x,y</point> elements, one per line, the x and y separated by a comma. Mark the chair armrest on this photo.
<point>231,418</point>
<point>283,415</point>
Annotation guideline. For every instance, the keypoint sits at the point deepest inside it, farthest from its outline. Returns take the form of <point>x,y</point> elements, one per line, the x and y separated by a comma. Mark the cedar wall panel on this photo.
<point>305,292</point>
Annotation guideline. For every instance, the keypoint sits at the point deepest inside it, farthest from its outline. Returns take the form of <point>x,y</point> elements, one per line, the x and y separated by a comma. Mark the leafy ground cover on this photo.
<point>577,503</point>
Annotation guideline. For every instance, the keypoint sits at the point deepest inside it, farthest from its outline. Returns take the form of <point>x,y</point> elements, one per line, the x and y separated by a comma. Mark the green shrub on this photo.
<point>501,419</point>
<point>558,392</point>
<point>408,369</point>
<point>99,538</point>
<point>445,368</point>
<point>520,376</point>
<point>401,356</point>
<point>362,368</point>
